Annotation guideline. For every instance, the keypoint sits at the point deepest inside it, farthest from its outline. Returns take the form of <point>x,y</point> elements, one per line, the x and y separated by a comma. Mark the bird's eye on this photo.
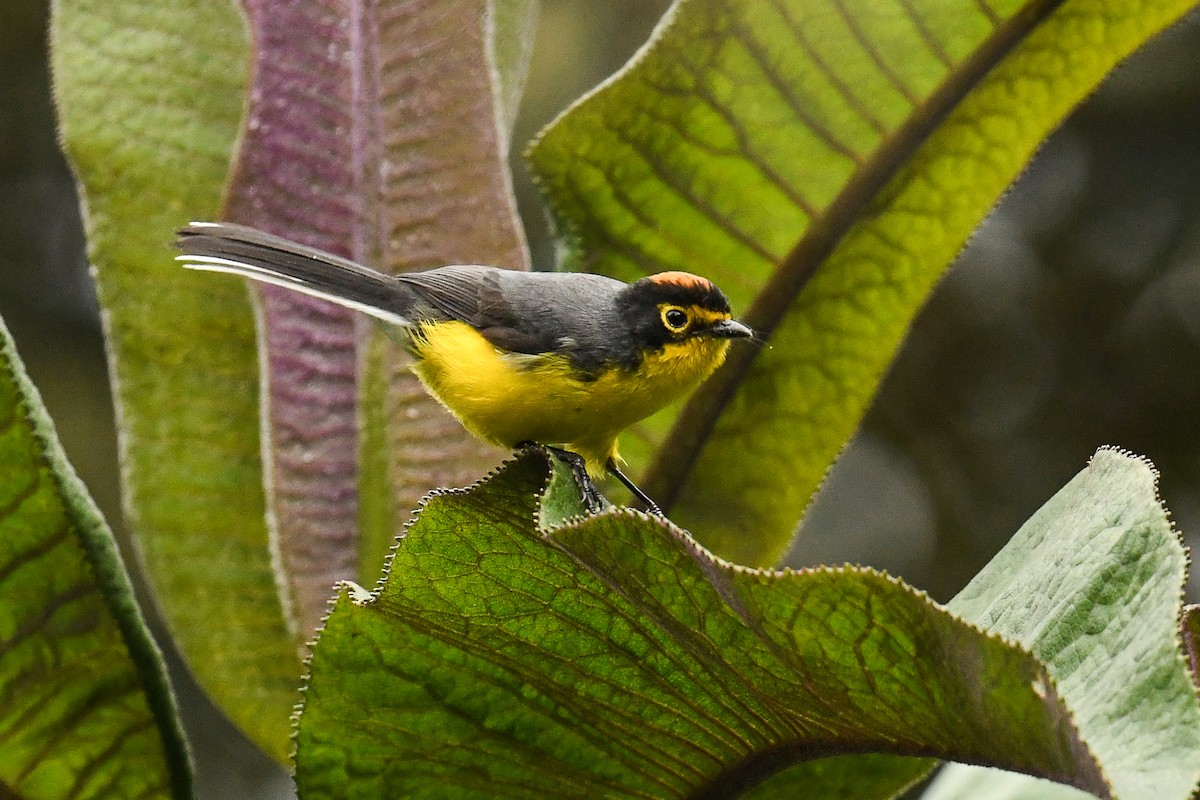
<point>675,319</point>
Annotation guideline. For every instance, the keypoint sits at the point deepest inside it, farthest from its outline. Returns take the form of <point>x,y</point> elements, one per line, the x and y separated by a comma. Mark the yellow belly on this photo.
<point>509,398</point>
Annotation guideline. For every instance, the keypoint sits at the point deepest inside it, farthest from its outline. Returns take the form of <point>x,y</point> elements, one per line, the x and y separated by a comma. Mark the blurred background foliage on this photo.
<point>1072,320</point>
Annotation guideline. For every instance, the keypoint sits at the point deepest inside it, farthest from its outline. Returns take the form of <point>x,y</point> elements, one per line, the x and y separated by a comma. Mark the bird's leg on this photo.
<point>592,499</point>
<point>651,506</point>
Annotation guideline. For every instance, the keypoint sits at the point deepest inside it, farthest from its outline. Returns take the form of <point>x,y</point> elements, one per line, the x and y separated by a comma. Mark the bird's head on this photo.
<point>673,307</point>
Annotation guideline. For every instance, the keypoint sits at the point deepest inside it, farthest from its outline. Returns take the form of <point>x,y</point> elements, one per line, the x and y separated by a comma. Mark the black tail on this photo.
<point>238,250</point>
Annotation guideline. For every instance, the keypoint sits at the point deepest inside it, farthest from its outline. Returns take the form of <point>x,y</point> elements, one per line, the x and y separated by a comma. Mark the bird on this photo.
<point>565,360</point>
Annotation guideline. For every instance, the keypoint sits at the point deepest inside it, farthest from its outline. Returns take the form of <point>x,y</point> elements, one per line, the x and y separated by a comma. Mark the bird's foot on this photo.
<point>651,506</point>
<point>593,501</point>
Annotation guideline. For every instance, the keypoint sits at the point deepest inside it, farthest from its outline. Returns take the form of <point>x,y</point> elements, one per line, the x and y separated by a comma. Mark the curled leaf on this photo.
<point>505,655</point>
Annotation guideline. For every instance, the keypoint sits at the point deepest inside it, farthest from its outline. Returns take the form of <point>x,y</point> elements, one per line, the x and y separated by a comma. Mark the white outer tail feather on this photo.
<point>263,275</point>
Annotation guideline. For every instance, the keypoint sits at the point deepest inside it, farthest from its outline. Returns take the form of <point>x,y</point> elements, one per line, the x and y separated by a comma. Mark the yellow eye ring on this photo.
<point>674,318</point>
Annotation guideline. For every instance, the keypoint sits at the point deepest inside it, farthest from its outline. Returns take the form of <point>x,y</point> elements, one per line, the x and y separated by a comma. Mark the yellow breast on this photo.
<point>508,398</point>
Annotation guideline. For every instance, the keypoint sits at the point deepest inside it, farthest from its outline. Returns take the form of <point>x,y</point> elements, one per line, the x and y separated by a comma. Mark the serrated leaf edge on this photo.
<point>1044,685</point>
<point>712,565</point>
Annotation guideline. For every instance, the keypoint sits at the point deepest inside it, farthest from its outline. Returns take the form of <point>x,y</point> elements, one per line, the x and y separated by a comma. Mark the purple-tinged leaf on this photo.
<point>298,176</point>
<point>373,131</point>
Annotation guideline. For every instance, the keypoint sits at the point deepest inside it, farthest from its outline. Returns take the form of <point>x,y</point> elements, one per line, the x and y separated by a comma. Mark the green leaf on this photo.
<point>85,707</point>
<point>1093,585</point>
<point>823,162</point>
<point>149,98</point>
<point>861,777</point>
<point>611,654</point>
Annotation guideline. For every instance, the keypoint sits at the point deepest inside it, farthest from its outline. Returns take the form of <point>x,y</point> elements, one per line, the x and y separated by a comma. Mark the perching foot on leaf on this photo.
<point>592,498</point>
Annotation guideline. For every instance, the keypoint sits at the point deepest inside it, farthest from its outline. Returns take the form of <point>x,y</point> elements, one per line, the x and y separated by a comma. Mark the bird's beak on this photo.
<point>731,329</point>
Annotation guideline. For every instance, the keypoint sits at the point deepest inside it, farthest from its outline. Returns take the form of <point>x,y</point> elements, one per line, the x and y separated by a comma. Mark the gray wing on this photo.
<point>486,299</point>
<point>528,312</point>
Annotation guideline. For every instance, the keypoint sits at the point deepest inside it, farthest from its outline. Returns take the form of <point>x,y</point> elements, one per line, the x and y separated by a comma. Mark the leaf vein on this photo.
<point>831,74</point>
<point>785,91</point>
<point>873,53</point>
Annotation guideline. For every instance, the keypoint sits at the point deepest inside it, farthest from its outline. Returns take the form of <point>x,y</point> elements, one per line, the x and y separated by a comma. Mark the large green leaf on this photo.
<point>85,708</point>
<point>149,100</point>
<point>514,651</point>
<point>1110,634</point>
<point>824,162</point>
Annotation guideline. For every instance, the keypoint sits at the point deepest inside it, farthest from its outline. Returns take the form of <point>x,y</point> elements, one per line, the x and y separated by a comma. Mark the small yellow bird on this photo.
<point>568,360</point>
